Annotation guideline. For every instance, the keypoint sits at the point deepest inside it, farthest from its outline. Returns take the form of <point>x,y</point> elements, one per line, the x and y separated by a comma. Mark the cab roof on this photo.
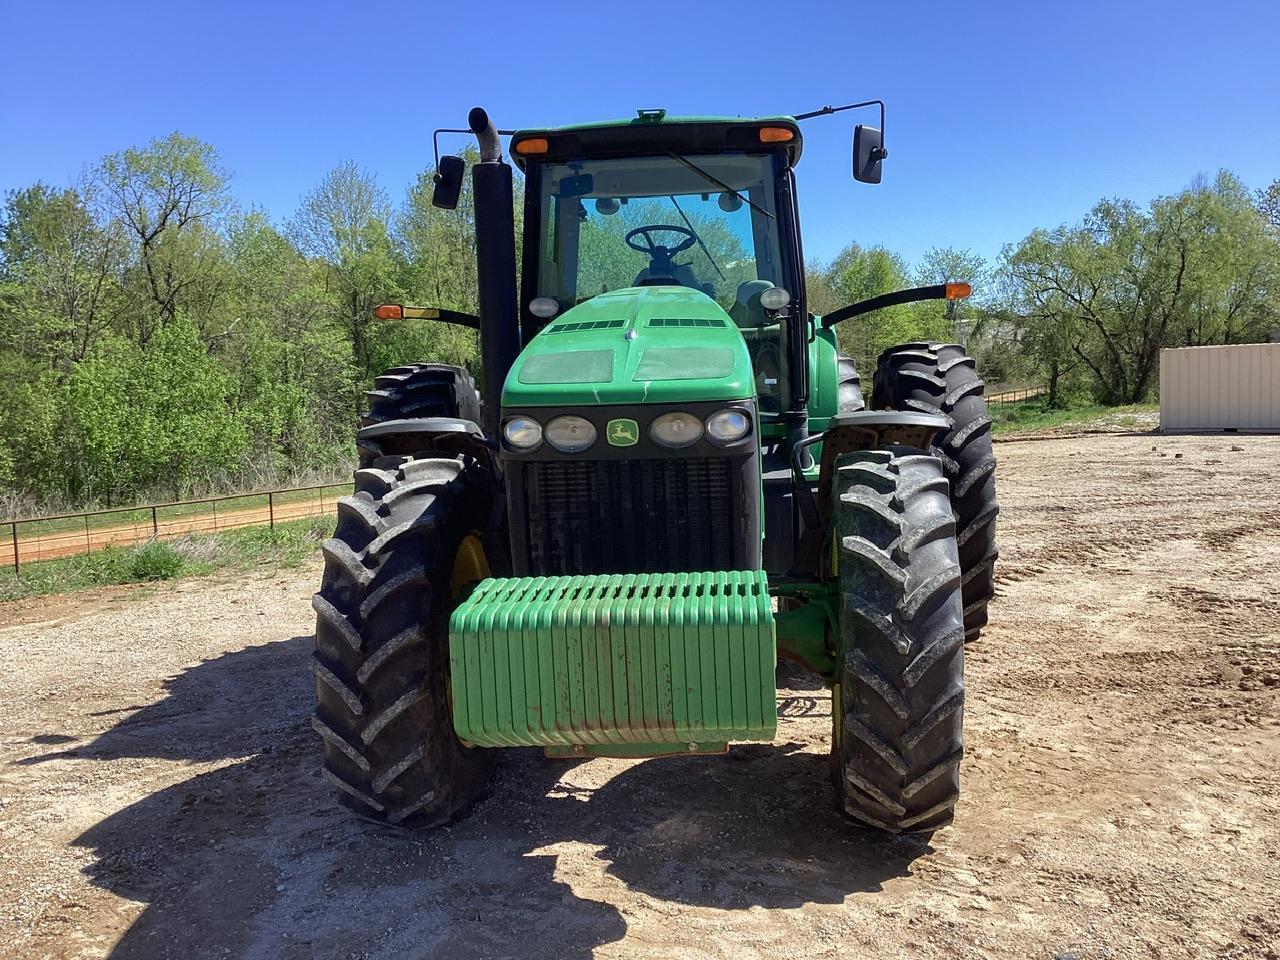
<point>652,131</point>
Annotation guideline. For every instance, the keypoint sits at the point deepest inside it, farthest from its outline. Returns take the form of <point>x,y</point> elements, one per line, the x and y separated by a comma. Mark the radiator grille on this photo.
<point>630,516</point>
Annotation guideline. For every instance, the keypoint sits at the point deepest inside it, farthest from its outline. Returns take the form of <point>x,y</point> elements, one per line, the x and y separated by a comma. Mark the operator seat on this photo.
<point>679,274</point>
<point>746,311</point>
<point>763,342</point>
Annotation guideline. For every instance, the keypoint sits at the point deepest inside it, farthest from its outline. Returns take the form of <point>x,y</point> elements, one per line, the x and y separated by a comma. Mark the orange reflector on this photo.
<point>958,291</point>
<point>389,311</point>
<point>532,145</point>
<point>776,135</point>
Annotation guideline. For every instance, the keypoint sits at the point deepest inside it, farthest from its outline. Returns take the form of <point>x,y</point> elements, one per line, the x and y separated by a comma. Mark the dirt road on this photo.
<point>159,795</point>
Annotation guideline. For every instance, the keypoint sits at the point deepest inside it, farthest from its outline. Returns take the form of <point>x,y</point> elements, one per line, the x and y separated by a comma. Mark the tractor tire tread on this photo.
<point>381,659</point>
<point>417,390</point>
<point>901,678</point>
<point>941,378</point>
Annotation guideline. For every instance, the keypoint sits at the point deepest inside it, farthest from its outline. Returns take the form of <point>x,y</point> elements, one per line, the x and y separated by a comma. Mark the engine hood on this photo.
<point>635,345</point>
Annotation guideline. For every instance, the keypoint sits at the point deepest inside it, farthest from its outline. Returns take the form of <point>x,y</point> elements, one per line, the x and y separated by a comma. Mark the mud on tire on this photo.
<point>941,378</point>
<point>381,657</point>
<point>899,703</point>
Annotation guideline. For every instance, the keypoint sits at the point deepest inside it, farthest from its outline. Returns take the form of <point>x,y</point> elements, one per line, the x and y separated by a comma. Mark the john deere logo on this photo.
<point>623,433</point>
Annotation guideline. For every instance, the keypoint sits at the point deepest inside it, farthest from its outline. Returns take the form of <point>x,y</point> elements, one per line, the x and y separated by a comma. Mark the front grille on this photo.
<point>631,516</point>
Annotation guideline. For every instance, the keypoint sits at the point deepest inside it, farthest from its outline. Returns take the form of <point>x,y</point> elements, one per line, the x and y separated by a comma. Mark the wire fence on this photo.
<point>35,539</point>
<point>1016,396</point>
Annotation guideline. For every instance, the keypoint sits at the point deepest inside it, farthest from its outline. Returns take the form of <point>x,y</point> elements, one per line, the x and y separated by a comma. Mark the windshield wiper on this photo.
<point>720,183</point>
<point>710,258</point>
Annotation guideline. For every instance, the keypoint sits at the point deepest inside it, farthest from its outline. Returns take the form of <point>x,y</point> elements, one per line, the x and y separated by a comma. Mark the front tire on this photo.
<point>940,378</point>
<point>381,658</point>
<point>899,704</point>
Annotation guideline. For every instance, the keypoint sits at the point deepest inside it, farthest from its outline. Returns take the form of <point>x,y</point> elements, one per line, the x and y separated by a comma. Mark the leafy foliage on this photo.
<point>156,339</point>
<point>1100,299</point>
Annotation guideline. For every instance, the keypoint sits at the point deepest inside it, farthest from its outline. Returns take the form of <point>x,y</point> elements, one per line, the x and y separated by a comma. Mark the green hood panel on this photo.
<point>636,345</point>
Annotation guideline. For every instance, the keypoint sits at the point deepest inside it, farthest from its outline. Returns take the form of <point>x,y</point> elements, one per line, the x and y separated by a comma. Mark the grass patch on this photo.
<point>288,545</point>
<point>1033,415</point>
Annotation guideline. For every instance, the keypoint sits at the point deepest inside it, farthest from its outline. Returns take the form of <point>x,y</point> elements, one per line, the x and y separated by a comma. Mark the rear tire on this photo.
<point>941,378</point>
<point>417,390</point>
<point>850,398</point>
<point>899,703</point>
<point>381,658</point>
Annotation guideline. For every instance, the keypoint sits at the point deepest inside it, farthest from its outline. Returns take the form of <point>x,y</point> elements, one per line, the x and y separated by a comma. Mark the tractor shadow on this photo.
<point>255,859</point>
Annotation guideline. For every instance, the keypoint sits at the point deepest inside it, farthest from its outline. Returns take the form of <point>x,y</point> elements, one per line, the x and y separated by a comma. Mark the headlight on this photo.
<point>523,433</point>
<point>728,426</point>
<point>570,434</point>
<point>676,430</point>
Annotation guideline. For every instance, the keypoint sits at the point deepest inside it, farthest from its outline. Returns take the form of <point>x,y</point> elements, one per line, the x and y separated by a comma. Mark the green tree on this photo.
<point>167,199</point>
<point>859,273</point>
<point>1194,268</point>
<point>159,418</point>
<point>59,275</point>
<point>344,226</point>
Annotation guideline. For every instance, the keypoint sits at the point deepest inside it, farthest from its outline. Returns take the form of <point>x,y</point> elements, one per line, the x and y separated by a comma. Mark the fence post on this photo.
<point>14,526</point>
<point>155,526</point>
<point>88,545</point>
<point>271,509</point>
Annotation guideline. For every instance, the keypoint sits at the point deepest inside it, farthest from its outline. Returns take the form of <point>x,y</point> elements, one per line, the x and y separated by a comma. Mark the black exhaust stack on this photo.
<point>495,266</point>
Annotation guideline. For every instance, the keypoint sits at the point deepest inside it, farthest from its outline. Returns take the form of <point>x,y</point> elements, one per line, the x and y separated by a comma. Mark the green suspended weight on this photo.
<point>625,664</point>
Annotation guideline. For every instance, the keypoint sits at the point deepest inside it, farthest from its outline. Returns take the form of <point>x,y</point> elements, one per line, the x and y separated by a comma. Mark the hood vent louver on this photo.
<point>686,322</point>
<point>575,326</point>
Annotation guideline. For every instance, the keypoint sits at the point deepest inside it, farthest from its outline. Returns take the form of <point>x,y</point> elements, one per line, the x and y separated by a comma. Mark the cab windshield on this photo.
<point>706,222</point>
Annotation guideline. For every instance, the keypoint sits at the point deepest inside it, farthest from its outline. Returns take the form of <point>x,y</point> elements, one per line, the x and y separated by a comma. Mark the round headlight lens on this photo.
<point>676,430</point>
<point>728,426</point>
<point>523,433</point>
<point>570,434</point>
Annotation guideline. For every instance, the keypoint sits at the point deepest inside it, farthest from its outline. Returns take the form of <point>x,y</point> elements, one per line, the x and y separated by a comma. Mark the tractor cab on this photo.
<point>705,205</point>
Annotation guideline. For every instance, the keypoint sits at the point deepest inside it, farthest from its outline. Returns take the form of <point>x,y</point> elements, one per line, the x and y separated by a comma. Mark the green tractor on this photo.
<point>668,481</point>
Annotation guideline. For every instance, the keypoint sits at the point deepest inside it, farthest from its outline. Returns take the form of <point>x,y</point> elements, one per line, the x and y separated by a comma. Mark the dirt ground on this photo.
<point>159,794</point>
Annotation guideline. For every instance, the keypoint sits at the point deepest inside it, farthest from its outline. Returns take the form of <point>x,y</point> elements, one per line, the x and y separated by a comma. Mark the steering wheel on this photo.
<point>654,249</point>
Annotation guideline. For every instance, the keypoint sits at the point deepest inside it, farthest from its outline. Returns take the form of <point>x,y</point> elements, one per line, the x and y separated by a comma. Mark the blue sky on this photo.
<point>1002,116</point>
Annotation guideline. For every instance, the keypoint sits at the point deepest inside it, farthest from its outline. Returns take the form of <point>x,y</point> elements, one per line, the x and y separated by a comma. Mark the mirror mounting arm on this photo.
<point>828,110</point>
<point>938,291</point>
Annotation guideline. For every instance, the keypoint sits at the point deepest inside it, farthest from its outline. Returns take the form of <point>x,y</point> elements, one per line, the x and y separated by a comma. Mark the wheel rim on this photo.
<point>470,566</point>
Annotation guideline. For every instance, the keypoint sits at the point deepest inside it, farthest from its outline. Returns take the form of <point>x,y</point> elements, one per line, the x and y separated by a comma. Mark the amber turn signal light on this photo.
<point>394,311</point>
<point>958,291</point>
<point>776,135</point>
<point>532,145</point>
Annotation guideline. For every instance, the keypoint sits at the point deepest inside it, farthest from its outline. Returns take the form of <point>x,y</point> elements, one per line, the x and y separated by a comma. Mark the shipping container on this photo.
<point>1230,388</point>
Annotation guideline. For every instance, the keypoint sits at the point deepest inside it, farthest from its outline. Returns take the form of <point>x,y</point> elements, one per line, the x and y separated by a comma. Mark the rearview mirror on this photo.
<point>448,180</point>
<point>868,151</point>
